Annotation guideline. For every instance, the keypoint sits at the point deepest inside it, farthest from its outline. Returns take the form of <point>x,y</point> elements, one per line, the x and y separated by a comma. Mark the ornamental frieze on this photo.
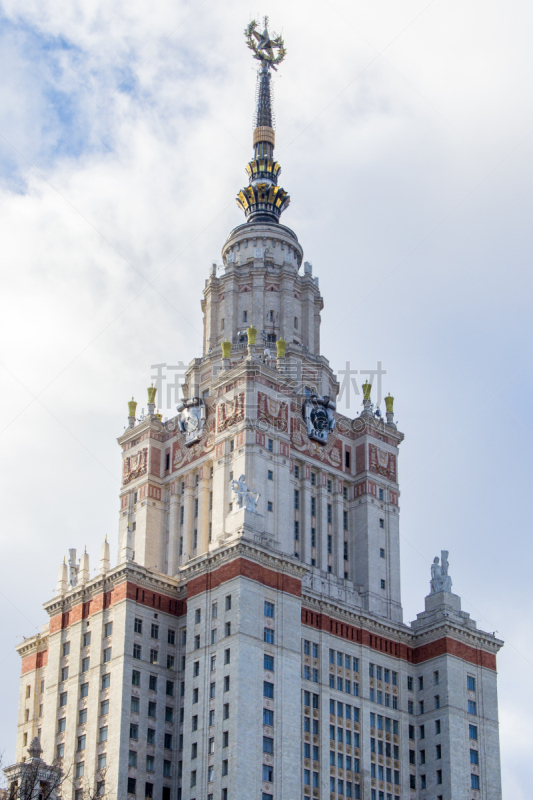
<point>272,411</point>
<point>230,412</point>
<point>382,462</point>
<point>135,465</point>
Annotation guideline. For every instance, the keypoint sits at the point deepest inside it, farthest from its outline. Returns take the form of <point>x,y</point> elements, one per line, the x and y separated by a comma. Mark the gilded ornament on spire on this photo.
<point>263,200</point>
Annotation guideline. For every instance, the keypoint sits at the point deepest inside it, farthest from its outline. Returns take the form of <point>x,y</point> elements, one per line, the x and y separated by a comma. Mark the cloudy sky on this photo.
<point>405,135</point>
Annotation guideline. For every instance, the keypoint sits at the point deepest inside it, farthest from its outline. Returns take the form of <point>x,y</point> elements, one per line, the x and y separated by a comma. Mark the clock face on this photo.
<point>191,422</point>
<point>319,418</point>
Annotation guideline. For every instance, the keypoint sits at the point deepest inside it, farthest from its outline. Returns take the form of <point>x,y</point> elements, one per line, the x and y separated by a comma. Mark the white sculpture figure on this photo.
<point>246,498</point>
<point>440,580</point>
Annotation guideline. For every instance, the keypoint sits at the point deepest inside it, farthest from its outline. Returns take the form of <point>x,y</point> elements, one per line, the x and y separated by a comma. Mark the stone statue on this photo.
<point>246,498</point>
<point>440,580</point>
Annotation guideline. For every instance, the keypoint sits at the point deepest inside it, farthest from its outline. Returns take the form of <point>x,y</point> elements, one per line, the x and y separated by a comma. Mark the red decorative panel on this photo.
<point>284,450</point>
<point>155,461</point>
<point>273,412</point>
<point>260,438</point>
<point>360,458</point>
<point>134,466</point>
<point>382,462</point>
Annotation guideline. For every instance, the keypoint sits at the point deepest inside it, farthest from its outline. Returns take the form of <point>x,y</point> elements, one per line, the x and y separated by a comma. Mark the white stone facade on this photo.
<point>217,659</point>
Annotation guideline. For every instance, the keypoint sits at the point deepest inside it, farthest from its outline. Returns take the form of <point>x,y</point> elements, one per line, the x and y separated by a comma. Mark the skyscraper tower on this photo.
<point>250,642</point>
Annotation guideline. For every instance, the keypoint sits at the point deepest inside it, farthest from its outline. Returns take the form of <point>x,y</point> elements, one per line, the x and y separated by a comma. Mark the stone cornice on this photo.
<point>128,571</point>
<point>251,551</point>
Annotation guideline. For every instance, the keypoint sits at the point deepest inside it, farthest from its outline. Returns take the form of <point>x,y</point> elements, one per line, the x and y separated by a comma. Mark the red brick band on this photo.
<point>414,655</point>
<point>34,661</point>
<point>124,591</point>
<point>246,569</point>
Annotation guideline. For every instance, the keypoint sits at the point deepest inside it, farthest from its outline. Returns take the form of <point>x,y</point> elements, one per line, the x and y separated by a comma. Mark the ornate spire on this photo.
<point>263,200</point>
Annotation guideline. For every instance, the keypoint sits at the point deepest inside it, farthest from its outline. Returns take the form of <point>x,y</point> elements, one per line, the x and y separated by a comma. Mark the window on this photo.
<point>102,761</point>
<point>436,678</point>
<point>197,642</point>
<point>107,655</point>
<point>225,711</point>
<point>154,631</point>
<point>268,635</point>
<point>134,732</point>
<point>228,629</point>
<point>82,716</point>
<point>60,750</point>
<point>410,683</point>
<point>474,781</point>
<point>474,757</point>
<point>420,706</point>
<point>169,714</point>
<point>132,785</point>
<point>268,689</point>
<point>137,651</point>
<point>226,683</point>
<point>270,475</point>
<point>313,506</point>
<point>81,742</point>
<point>86,639</point>
<point>420,683</point>
<point>135,705</point>
<point>297,472</point>
<point>470,683</point>
<point>438,751</point>
<point>64,673</point>
<point>138,627</point>
<point>422,732</point>
<point>268,744</point>
<point>268,773</point>
<point>437,701</point>
<point>194,696</point>
<point>152,708</point>
<point>382,583</point>
<point>329,513</point>
<point>63,698</point>
<point>66,651</point>
<point>149,790</point>
<point>132,758</point>
<point>472,707</point>
<point>268,717</point>
<point>270,445</point>
<point>214,634</point>
<point>270,506</point>
<point>108,629</point>
<point>102,734</point>
<point>171,636</point>
<point>170,688</point>
<point>313,479</point>
<point>228,602</point>
<point>382,552</point>
<point>227,656</point>
<point>268,662</point>
<point>104,708</point>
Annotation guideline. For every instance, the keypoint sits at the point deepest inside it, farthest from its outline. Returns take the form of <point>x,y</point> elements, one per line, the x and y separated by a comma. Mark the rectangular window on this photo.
<point>472,708</point>
<point>138,626</point>
<point>169,714</point>
<point>472,731</point>
<point>137,651</point>
<point>268,689</point>
<point>228,629</point>
<point>81,742</point>
<point>474,781</point>
<point>268,635</point>
<point>134,732</point>
<point>270,475</point>
<point>268,744</point>
<point>268,717</point>
<point>228,602</point>
<point>470,683</point>
<point>64,674</point>
<point>268,662</point>
<point>313,507</point>
<point>108,629</point>
<point>107,655</point>
<point>168,741</point>
<point>474,757</point>
<point>270,445</point>
<point>86,639</point>
<point>63,698</point>
<point>329,513</point>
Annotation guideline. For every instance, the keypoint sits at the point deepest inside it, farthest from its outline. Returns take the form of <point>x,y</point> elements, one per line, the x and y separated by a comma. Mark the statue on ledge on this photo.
<point>440,580</point>
<point>246,498</point>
